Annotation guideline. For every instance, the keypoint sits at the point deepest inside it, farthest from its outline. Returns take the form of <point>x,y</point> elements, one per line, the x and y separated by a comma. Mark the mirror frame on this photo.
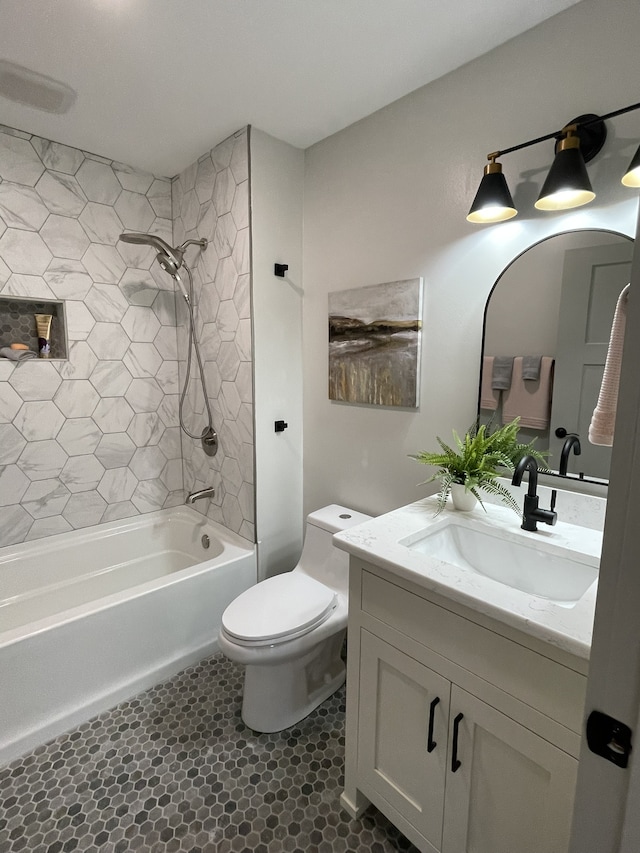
<point>574,477</point>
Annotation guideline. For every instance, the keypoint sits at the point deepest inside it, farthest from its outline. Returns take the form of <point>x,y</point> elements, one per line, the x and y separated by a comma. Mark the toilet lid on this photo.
<point>291,603</point>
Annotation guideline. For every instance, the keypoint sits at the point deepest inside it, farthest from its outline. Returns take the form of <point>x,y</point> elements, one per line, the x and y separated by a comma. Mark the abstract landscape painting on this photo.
<point>374,344</point>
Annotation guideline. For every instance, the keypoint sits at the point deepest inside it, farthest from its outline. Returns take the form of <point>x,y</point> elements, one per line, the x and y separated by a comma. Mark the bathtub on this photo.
<point>92,617</point>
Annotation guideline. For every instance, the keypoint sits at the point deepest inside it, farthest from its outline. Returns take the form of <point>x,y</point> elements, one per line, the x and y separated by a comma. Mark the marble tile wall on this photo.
<point>211,200</point>
<point>93,438</point>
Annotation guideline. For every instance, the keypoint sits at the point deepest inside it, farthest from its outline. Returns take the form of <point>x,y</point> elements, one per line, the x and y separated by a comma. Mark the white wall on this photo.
<point>277,172</point>
<point>386,199</point>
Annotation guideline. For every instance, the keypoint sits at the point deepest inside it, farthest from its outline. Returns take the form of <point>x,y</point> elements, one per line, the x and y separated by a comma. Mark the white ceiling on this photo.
<point>159,82</point>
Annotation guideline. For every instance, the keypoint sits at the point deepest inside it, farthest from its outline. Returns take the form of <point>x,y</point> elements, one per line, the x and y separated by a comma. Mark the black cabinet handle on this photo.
<point>455,764</point>
<point>431,744</point>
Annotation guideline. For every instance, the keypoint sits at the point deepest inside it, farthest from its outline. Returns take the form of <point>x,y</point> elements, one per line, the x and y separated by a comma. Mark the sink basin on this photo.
<point>519,565</point>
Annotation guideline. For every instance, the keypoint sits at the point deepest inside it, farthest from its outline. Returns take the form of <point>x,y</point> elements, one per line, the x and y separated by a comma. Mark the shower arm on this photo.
<point>203,243</point>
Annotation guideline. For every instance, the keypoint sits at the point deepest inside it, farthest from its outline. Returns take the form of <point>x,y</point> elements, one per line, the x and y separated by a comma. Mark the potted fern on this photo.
<point>474,463</point>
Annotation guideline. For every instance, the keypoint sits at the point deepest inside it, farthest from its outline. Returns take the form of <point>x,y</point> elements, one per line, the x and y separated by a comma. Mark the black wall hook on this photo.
<point>280,269</point>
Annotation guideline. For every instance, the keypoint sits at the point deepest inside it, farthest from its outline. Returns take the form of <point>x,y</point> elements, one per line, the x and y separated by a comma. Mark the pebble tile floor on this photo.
<point>175,770</point>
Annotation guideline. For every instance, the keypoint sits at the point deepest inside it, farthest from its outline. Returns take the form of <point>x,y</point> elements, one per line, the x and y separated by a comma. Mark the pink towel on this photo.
<point>530,400</point>
<point>488,397</point>
<point>603,422</point>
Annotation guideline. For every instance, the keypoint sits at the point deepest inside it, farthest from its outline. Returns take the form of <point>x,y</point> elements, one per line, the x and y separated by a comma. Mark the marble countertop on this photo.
<point>566,627</point>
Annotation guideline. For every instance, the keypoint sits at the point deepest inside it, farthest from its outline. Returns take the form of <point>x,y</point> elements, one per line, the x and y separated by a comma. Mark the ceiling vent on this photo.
<point>34,90</point>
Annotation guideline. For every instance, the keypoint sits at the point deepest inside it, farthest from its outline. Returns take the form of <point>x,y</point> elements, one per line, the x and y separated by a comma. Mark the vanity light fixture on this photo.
<point>567,185</point>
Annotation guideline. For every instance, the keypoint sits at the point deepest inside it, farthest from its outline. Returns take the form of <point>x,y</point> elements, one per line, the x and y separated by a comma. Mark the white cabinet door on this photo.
<point>404,709</point>
<point>511,790</point>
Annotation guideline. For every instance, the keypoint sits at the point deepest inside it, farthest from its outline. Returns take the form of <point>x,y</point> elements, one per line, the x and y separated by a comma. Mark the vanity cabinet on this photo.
<point>402,746</point>
<point>465,739</point>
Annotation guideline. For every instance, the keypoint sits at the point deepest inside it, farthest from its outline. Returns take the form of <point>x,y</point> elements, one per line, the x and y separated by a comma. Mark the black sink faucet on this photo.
<point>532,513</point>
<point>571,441</point>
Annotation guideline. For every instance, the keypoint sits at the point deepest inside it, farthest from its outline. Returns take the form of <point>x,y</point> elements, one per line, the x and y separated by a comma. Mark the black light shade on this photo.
<point>493,202</point>
<point>631,177</point>
<point>567,184</point>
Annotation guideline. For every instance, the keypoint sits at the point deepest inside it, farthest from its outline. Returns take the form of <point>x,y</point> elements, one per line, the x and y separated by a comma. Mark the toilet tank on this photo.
<point>319,559</point>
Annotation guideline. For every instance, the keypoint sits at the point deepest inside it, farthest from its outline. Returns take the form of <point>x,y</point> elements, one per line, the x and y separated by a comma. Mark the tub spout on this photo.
<point>209,492</point>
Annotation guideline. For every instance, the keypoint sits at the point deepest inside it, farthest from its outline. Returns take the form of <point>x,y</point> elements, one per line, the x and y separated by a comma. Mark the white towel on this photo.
<point>603,422</point>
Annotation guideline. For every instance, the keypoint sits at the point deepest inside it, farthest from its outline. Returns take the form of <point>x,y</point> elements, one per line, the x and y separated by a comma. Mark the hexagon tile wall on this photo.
<point>211,199</point>
<point>96,437</point>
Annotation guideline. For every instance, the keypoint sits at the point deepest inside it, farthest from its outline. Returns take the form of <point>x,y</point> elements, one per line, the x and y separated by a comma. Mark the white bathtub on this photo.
<point>92,617</point>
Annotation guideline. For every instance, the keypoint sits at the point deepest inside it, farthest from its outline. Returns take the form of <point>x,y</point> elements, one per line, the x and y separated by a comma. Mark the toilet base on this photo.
<point>277,696</point>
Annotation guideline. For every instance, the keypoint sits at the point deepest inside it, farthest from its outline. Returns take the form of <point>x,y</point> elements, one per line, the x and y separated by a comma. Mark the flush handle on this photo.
<point>431,743</point>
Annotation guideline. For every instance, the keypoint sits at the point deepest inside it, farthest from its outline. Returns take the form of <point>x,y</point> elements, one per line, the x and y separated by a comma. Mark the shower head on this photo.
<point>169,259</point>
<point>145,240</point>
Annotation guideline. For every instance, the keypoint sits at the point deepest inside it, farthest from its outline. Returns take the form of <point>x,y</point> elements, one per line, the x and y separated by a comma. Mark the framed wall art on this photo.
<point>374,344</point>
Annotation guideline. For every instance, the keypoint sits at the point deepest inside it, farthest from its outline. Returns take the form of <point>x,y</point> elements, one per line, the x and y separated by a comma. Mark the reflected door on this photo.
<point>591,283</point>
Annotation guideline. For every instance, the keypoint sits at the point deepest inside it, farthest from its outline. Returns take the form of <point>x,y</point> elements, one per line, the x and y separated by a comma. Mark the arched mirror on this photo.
<point>551,311</point>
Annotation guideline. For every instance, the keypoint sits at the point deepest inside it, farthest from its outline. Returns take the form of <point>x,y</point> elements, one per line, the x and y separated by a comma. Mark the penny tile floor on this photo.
<point>175,770</point>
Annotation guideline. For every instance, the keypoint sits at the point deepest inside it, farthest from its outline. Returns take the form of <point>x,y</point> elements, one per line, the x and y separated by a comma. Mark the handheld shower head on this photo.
<point>183,289</point>
<point>170,263</point>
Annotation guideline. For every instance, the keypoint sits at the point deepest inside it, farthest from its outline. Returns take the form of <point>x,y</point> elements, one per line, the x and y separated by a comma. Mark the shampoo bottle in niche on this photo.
<point>43,326</point>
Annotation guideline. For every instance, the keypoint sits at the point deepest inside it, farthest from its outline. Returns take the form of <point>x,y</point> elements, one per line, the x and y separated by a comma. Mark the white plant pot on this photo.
<point>463,500</point>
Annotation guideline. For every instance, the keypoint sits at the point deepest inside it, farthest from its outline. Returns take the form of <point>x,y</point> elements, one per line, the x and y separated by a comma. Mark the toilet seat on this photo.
<point>278,609</point>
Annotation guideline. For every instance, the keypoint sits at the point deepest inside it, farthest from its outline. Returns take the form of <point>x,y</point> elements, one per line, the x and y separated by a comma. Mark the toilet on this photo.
<point>288,630</point>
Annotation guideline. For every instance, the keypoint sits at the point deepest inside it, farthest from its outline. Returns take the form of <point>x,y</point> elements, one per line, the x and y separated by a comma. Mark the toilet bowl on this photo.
<point>289,630</point>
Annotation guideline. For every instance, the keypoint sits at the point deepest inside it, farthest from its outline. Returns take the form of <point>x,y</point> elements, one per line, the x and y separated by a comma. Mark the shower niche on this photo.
<point>18,324</point>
